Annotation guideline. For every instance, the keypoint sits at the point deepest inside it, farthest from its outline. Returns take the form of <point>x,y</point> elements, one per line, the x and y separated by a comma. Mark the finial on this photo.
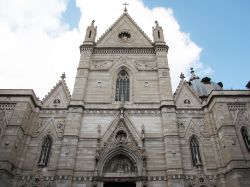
<point>182,76</point>
<point>193,76</point>
<point>156,22</point>
<point>192,70</point>
<point>63,76</point>
<point>93,21</point>
<point>125,8</point>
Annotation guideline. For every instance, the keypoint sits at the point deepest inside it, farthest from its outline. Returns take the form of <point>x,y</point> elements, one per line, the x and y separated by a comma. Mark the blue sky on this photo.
<point>220,27</point>
<point>40,39</point>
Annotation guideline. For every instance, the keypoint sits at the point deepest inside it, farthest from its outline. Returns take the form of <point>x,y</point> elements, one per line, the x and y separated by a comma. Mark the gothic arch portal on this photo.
<point>120,163</point>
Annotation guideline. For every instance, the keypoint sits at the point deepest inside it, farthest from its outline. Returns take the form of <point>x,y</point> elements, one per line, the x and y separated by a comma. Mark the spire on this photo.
<point>90,34</point>
<point>158,34</point>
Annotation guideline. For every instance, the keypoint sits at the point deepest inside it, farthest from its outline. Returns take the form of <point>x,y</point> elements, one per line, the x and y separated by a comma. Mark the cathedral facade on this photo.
<point>123,126</point>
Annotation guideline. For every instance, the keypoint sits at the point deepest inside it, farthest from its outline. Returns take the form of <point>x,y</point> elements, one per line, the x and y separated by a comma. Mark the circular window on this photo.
<point>121,136</point>
<point>124,36</point>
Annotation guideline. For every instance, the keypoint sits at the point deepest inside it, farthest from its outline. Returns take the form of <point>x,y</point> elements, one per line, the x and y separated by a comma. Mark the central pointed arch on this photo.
<point>120,161</point>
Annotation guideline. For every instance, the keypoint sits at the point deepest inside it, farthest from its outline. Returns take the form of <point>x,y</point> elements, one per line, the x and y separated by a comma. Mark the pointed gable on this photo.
<point>185,97</point>
<point>124,124</point>
<point>124,33</point>
<point>58,97</point>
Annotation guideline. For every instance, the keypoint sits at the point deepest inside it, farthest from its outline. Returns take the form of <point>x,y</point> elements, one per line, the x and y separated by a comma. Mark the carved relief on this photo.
<point>101,65</point>
<point>120,164</point>
<point>202,180</point>
<point>238,113</point>
<point>8,109</point>
<point>60,126</point>
<point>141,65</point>
<point>50,125</point>
<point>192,126</point>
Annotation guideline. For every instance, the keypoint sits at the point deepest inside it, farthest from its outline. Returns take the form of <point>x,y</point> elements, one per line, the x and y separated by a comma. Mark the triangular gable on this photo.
<point>50,126</point>
<point>185,97</point>
<point>58,97</point>
<point>192,129</point>
<point>121,123</point>
<point>124,24</point>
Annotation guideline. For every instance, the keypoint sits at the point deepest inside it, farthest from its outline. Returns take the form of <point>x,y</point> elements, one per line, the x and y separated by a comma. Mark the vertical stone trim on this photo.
<point>82,74</point>
<point>165,87</point>
<point>171,141</point>
<point>67,158</point>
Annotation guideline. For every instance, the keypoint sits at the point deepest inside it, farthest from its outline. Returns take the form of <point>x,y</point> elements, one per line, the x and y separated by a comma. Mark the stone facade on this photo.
<point>149,138</point>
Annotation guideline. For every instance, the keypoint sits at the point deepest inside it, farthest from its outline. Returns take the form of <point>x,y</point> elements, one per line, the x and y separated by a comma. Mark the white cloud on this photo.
<point>36,46</point>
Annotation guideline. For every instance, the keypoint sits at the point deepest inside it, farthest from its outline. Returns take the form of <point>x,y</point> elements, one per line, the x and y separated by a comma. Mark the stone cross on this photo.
<point>125,8</point>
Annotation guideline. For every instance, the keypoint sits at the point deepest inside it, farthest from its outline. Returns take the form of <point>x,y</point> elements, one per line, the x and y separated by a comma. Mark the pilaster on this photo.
<point>171,141</point>
<point>67,158</point>
<point>166,95</point>
<point>82,75</point>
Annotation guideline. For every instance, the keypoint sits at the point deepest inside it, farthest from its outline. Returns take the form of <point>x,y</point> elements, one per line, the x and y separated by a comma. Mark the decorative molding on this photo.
<point>162,48</point>
<point>86,48</point>
<point>143,112</point>
<point>117,50</point>
<point>192,179</point>
<point>238,112</point>
<point>188,111</point>
<point>101,112</point>
<point>6,110</point>
<point>130,106</point>
<point>7,106</point>
<point>139,112</point>
<point>54,111</point>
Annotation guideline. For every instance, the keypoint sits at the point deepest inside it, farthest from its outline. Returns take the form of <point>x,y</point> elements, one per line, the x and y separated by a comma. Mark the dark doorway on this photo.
<point>119,184</point>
